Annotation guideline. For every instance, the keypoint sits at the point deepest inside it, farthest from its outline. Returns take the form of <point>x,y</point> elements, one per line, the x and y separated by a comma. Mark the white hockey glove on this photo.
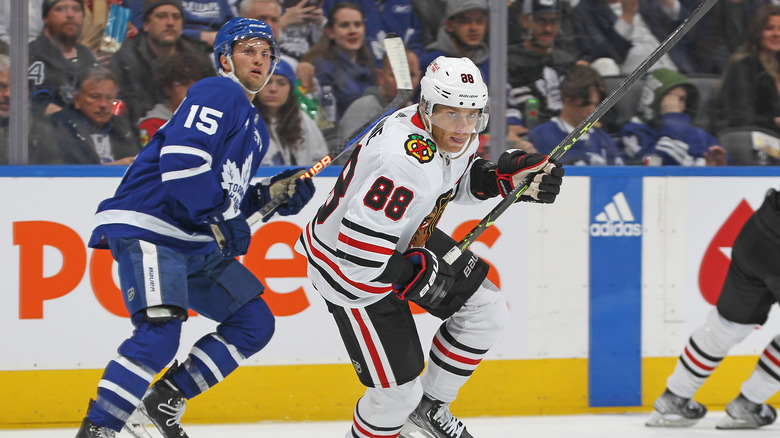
<point>514,165</point>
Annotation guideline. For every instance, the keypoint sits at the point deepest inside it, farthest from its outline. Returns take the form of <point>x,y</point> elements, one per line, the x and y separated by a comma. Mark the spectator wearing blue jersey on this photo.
<point>662,130</point>
<point>581,91</point>
<point>383,17</point>
<point>188,185</point>
<point>462,34</point>
<point>341,58</point>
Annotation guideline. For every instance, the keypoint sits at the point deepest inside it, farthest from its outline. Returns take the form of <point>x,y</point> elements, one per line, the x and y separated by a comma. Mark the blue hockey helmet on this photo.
<point>241,28</point>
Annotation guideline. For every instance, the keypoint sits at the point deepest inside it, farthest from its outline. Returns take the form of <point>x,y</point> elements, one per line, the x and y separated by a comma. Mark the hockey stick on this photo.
<point>584,126</point>
<point>396,53</point>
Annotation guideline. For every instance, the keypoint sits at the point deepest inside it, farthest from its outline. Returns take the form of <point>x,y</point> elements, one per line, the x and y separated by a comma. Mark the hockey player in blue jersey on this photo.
<point>192,177</point>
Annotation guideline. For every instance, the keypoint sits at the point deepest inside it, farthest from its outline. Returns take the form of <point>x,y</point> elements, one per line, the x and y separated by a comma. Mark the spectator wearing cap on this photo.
<point>462,34</point>
<point>295,139</point>
<point>582,90</point>
<point>86,132</point>
<point>202,18</point>
<point>535,67</point>
<point>174,75</point>
<point>663,126</point>
<point>627,31</point>
<point>136,61</point>
<point>56,58</point>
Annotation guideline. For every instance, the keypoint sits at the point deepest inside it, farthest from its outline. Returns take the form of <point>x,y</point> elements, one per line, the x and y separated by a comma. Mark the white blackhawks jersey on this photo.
<point>389,196</point>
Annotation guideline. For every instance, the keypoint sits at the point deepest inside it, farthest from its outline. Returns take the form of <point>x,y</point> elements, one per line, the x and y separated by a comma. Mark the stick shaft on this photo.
<point>585,125</point>
<point>396,53</point>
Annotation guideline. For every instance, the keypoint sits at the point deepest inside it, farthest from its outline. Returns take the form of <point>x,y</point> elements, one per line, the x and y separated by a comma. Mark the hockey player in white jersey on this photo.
<point>373,246</point>
<point>192,177</point>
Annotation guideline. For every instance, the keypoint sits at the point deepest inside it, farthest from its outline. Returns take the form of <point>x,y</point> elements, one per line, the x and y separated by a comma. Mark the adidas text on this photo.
<point>615,229</point>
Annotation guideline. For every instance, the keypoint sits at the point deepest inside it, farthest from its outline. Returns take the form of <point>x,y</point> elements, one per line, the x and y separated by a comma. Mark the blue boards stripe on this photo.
<point>615,359</point>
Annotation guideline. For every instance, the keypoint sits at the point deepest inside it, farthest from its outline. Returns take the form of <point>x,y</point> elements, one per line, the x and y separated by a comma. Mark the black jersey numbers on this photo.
<point>384,195</point>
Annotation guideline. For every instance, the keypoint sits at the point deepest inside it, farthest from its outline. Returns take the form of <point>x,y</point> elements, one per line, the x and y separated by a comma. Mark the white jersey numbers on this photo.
<point>207,117</point>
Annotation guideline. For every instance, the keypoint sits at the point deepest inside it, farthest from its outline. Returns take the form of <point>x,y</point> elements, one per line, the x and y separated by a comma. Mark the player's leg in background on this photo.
<point>704,351</point>
<point>749,410</point>
<point>155,338</point>
<point>383,344</point>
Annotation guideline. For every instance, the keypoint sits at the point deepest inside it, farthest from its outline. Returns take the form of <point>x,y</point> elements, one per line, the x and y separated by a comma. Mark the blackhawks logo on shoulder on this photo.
<point>420,148</point>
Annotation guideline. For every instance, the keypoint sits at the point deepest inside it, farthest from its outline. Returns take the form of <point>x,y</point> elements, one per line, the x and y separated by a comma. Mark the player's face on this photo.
<point>770,36</point>
<point>268,12</point>
<point>164,25</point>
<point>468,27</point>
<point>64,20</point>
<point>252,60</point>
<point>348,30</point>
<point>5,93</point>
<point>452,127</point>
<point>96,100</point>
<point>275,93</point>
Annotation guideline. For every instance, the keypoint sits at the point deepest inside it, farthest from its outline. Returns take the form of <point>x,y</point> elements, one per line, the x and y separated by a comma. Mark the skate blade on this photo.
<point>728,422</point>
<point>410,430</point>
<point>136,425</point>
<point>671,420</point>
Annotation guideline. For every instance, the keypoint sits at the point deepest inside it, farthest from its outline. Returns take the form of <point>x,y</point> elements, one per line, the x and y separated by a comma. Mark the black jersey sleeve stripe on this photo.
<point>358,260</point>
<point>369,232</point>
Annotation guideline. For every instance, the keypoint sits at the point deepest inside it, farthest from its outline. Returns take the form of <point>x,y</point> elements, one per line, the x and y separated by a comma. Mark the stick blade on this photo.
<point>396,53</point>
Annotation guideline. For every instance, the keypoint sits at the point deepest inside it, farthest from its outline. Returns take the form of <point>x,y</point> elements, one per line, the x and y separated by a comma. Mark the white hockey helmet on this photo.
<point>454,82</point>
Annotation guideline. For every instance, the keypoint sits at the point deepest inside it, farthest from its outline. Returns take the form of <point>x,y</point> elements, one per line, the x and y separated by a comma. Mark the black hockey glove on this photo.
<point>431,280</point>
<point>514,165</point>
<point>299,192</point>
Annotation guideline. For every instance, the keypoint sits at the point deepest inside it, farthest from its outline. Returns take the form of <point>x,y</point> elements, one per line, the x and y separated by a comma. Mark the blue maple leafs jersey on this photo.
<point>211,146</point>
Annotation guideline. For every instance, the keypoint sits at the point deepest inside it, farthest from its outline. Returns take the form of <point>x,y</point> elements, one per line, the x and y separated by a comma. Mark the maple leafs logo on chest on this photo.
<point>420,148</point>
<point>236,181</point>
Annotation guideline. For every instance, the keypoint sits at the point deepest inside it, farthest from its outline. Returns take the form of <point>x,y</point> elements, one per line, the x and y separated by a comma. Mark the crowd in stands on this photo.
<point>92,102</point>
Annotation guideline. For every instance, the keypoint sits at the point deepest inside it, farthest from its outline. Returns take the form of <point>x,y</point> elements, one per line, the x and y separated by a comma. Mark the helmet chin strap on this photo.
<point>235,79</point>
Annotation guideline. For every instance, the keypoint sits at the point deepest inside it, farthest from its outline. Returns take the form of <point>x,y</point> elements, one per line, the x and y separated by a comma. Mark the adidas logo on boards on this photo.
<point>616,220</point>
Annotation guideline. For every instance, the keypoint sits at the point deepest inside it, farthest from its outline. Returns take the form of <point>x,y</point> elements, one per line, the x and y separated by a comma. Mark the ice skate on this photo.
<point>163,405</point>
<point>742,413</point>
<point>89,429</point>
<point>674,411</point>
<point>432,419</point>
<point>136,425</point>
